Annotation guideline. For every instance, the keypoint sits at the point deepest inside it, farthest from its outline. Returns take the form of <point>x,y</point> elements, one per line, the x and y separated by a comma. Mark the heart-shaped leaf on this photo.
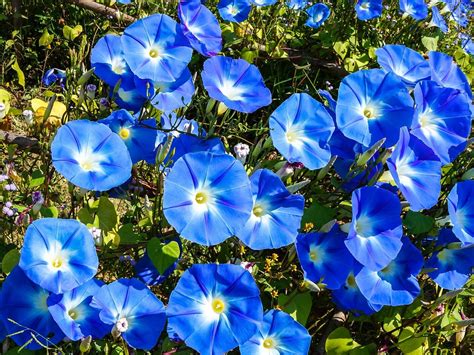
<point>162,255</point>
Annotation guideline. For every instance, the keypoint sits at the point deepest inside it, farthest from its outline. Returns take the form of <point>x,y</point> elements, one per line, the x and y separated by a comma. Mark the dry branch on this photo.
<point>23,142</point>
<point>104,10</point>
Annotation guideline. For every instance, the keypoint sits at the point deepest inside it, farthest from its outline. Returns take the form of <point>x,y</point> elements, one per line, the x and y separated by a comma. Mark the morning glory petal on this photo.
<point>416,171</point>
<point>300,129</point>
<point>201,28</point>
<point>24,302</point>
<point>207,197</point>
<point>279,334</point>
<point>461,210</point>
<point>324,257</point>
<point>396,284</point>
<point>156,49</point>
<point>133,310</point>
<point>234,10</point>
<point>442,119</point>
<point>223,299</point>
<point>58,254</point>
<point>417,9</point>
<point>236,83</point>
<point>404,62</point>
<point>368,9</point>
<point>90,155</point>
<point>276,215</point>
<point>373,105</point>
<point>376,228</point>
<point>73,314</point>
<point>453,265</point>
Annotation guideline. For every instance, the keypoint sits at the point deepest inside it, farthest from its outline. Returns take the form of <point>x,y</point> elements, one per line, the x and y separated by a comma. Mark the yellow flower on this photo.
<point>57,112</point>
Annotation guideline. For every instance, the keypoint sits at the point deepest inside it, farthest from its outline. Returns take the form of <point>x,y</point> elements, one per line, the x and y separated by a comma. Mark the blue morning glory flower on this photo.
<point>3,330</point>
<point>300,129</point>
<point>223,300</point>
<point>170,96</point>
<point>296,4</point>
<point>376,228</point>
<point>74,315</point>
<point>416,171</point>
<point>53,76</point>
<point>317,14</point>
<point>467,43</point>
<point>406,63</point>
<point>91,156</point>
<point>58,254</point>
<point>453,265</point>
<point>351,180</point>
<point>188,143</point>
<point>459,11</point>
<point>414,8</point>
<point>349,298</point>
<point>372,105</point>
<point>124,2</point>
<point>108,61</point>
<point>156,49</point>
<point>24,302</point>
<point>447,73</point>
<point>234,10</point>
<point>236,83</point>
<point>442,119</point>
<point>461,210</point>
<point>276,215</point>
<point>324,257</point>
<point>146,272</point>
<point>201,27</point>
<point>129,95</point>
<point>207,197</point>
<point>133,310</point>
<point>396,284</point>
<point>368,9</point>
<point>263,2</point>
<point>141,138</point>
<point>279,334</point>
<point>437,20</point>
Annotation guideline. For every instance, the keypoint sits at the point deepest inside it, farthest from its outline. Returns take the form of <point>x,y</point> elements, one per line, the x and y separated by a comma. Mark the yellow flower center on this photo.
<point>218,306</point>
<point>87,165</point>
<point>351,280</point>
<point>258,211</point>
<point>124,133</point>
<point>313,255</point>
<point>57,262</point>
<point>369,113</point>
<point>72,313</point>
<point>153,53</point>
<point>269,343</point>
<point>201,197</point>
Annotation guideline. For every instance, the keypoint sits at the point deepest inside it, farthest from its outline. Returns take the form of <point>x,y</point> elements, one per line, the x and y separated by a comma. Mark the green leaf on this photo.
<point>341,48</point>
<point>318,215</point>
<point>36,179</point>
<point>85,216</point>
<point>51,212</point>
<point>418,223</point>
<point>249,55</point>
<point>162,255</point>
<point>127,235</point>
<point>430,43</point>
<point>340,341</point>
<point>72,33</point>
<point>410,343</point>
<point>10,260</point>
<point>19,73</point>
<point>85,77</point>
<point>46,38</point>
<point>297,306</point>
<point>106,214</point>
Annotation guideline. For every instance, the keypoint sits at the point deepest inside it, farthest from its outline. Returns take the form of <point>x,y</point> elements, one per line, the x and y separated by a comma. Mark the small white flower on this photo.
<point>241,151</point>
<point>28,115</point>
<point>97,235</point>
